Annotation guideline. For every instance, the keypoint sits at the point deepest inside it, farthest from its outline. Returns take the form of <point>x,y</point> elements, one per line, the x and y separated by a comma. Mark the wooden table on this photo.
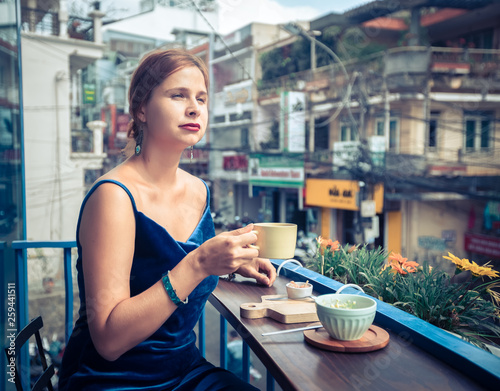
<point>296,365</point>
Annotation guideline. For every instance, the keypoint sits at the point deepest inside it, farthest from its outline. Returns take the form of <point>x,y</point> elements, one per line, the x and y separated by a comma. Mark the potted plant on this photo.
<point>469,308</point>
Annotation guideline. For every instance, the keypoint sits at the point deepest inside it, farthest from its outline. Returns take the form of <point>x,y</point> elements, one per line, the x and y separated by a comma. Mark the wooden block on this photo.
<point>284,311</point>
<point>375,338</point>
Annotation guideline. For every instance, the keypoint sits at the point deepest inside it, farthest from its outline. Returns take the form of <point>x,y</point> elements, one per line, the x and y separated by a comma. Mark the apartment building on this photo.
<point>404,151</point>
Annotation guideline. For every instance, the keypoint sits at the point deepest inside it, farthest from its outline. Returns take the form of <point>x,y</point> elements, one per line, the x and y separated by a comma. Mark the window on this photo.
<point>477,132</point>
<point>393,131</point>
<point>244,137</point>
<point>347,133</point>
<point>432,136</point>
<point>239,117</point>
<point>321,136</point>
<point>219,119</point>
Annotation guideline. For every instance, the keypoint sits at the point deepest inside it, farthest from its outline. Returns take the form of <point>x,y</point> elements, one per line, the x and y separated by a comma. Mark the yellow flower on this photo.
<point>473,267</point>
<point>462,264</point>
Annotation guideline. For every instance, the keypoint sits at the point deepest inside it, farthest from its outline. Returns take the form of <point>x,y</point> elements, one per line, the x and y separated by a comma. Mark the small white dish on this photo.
<point>298,290</point>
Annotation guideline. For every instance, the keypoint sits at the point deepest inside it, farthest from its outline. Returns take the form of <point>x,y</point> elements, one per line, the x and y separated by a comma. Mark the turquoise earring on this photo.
<point>138,141</point>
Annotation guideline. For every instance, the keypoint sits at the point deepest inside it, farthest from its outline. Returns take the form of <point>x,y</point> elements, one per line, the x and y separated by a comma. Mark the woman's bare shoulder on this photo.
<point>110,193</point>
<point>196,185</point>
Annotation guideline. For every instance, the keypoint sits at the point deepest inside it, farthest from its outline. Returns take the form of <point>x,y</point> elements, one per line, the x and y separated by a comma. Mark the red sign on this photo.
<point>482,244</point>
<point>235,163</point>
<point>122,121</point>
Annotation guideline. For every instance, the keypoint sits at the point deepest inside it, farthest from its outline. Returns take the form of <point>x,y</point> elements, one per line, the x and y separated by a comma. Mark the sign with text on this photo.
<point>431,243</point>
<point>345,152</point>
<point>339,194</point>
<point>293,121</point>
<point>88,93</point>
<point>235,95</point>
<point>235,163</point>
<point>377,150</point>
<point>276,170</point>
<point>482,244</point>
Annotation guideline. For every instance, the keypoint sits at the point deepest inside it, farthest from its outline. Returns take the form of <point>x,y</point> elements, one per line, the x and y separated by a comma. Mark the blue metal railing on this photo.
<point>476,363</point>
<point>20,248</point>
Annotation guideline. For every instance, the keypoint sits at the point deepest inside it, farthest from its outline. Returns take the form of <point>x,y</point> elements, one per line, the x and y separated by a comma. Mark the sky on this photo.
<point>238,13</point>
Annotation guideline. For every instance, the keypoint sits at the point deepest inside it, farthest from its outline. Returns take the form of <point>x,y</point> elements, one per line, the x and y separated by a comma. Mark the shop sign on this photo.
<point>293,121</point>
<point>482,244</point>
<point>122,121</point>
<point>88,93</point>
<point>449,235</point>
<point>339,194</point>
<point>276,170</point>
<point>377,150</point>
<point>431,243</point>
<point>235,163</point>
<point>345,153</point>
<point>240,95</point>
<point>368,208</point>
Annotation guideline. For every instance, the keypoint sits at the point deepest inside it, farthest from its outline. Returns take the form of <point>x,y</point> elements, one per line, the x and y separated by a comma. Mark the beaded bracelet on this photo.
<point>171,291</point>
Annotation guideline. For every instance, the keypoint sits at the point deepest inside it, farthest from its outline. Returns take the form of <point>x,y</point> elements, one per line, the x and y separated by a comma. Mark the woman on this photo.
<point>148,254</point>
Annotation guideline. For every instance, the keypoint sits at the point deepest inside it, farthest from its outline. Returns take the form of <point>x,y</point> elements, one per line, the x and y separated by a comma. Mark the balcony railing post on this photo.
<point>63,19</point>
<point>68,287</point>
<point>223,342</point>
<point>22,310</point>
<point>246,362</point>
<point>269,381</point>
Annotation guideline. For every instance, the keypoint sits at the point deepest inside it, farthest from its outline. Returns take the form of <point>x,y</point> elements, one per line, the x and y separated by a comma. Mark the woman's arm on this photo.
<point>118,322</point>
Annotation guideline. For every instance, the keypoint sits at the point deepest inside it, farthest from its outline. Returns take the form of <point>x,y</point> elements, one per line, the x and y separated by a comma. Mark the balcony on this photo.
<point>406,67</point>
<point>427,346</point>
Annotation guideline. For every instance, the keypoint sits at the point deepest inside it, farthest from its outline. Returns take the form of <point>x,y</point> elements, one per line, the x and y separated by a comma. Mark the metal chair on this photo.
<point>44,381</point>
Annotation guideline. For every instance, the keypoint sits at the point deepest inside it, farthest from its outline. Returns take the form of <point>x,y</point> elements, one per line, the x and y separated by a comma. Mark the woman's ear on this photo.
<point>141,114</point>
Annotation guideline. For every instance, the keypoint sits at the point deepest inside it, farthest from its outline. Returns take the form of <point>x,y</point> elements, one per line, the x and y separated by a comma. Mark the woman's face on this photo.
<point>177,112</point>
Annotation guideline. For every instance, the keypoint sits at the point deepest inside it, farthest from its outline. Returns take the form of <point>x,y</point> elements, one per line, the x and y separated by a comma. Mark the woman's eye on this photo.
<point>201,100</point>
<point>177,96</point>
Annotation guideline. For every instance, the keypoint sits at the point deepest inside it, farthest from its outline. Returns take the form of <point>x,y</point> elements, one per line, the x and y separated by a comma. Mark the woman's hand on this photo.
<point>225,253</point>
<point>259,268</point>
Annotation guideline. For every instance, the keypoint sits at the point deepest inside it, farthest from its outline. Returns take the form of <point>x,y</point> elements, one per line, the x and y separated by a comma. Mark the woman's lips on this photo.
<point>191,127</point>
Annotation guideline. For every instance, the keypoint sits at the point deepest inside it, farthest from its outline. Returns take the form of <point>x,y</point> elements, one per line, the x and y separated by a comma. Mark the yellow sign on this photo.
<point>339,194</point>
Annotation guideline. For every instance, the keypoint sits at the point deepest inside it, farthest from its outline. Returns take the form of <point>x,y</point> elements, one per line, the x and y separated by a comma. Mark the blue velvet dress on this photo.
<point>168,359</point>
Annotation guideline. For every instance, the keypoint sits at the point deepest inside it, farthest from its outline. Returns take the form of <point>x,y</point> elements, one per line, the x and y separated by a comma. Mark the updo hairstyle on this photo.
<point>153,69</point>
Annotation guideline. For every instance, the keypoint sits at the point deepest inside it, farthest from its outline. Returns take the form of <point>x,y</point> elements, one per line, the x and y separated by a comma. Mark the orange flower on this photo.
<point>352,248</point>
<point>398,258</point>
<point>410,266</point>
<point>334,246</point>
<point>401,265</point>
<point>327,244</point>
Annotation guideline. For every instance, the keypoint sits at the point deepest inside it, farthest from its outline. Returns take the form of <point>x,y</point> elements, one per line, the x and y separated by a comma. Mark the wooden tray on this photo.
<point>375,338</point>
<point>284,311</point>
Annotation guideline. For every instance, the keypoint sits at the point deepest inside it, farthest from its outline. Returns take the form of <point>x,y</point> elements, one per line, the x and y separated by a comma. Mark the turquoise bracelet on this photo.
<point>171,291</point>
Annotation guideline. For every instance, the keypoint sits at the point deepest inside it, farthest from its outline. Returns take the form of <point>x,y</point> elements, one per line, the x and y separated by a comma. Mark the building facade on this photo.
<point>410,113</point>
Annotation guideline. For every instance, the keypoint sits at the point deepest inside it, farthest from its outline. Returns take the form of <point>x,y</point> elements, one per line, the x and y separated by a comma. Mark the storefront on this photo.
<point>278,180</point>
<point>349,212</point>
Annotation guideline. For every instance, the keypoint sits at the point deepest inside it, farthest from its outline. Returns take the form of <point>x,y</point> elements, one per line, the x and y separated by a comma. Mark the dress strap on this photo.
<point>97,184</point>
<point>91,191</point>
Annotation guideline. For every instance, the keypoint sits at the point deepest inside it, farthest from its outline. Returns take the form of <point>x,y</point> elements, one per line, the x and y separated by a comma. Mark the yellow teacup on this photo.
<point>275,240</point>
